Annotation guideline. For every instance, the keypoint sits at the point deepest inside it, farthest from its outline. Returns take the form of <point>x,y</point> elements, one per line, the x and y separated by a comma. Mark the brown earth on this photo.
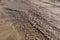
<point>29,20</point>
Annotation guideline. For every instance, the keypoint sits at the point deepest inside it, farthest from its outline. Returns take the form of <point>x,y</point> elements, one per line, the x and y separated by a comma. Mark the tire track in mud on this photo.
<point>21,15</point>
<point>25,22</point>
